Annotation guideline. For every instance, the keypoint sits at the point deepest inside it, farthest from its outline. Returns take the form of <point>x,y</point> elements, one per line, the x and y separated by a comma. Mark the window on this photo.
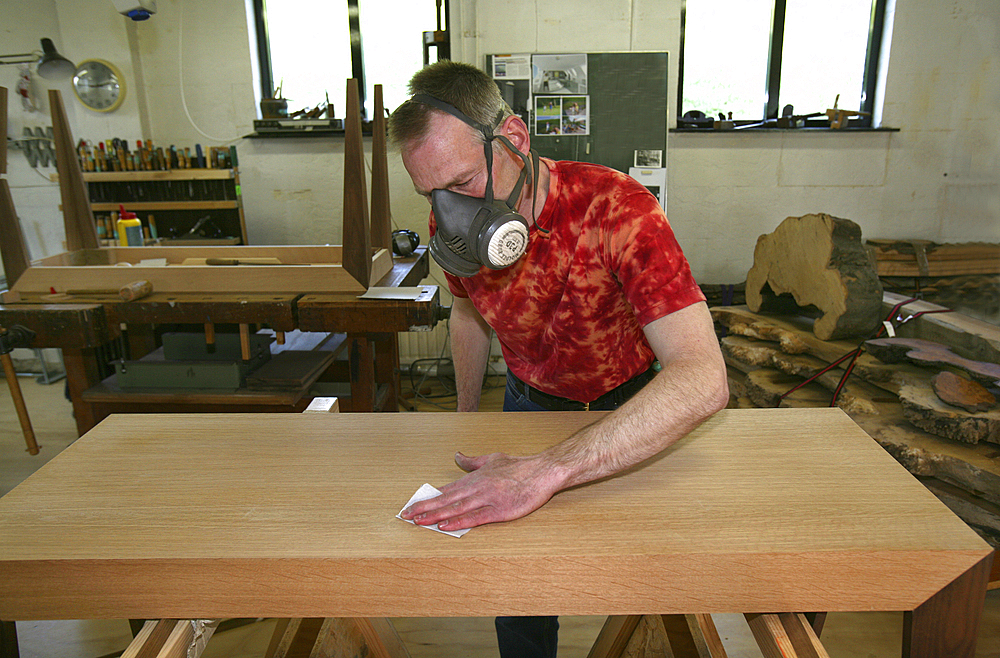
<point>754,57</point>
<point>309,48</point>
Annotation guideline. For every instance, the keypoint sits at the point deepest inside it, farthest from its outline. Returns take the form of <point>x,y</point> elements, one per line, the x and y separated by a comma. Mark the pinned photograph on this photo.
<point>559,74</point>
<point>648,158</point>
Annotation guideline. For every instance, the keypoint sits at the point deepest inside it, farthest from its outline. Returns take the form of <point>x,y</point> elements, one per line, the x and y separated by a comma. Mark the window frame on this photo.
<point>357,52</point>
<point>876,26</point>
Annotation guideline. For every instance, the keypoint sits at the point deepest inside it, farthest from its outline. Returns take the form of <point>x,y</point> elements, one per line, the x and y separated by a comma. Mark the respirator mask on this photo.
<point>472,231</point>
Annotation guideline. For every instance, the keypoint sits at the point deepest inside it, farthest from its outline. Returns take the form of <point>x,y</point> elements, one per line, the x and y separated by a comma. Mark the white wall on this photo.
<point>936,179</point>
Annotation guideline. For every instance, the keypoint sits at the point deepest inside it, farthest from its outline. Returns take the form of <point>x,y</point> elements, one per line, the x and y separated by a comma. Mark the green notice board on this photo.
<point>628,109</point>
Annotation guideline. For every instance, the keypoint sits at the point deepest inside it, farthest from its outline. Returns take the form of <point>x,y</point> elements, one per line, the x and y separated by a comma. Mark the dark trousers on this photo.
<point>526,637</point>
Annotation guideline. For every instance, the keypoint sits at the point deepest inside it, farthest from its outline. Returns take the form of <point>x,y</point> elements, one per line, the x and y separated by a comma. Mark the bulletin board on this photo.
<point>626,105</point>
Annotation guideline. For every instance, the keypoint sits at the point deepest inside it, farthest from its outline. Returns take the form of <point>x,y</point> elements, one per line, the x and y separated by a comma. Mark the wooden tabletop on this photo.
<point>271,515</point>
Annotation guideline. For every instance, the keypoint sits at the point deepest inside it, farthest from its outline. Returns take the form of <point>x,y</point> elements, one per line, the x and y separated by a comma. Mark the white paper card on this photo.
<point>426,492</point>
<point>405,292</point>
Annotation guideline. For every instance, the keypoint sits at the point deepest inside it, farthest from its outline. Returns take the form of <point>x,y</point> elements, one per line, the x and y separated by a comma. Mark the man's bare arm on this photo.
<point>470,349</point>
<point>690,388</point>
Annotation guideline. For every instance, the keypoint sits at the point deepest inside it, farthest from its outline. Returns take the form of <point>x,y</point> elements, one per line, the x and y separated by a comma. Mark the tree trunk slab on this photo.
<point>821,262</point>
<point>973,468</point>
<point>793,335</point>
<point>855,396</point>
<point>927,353</point>
<point>961,392</point>
<point>923,408</point>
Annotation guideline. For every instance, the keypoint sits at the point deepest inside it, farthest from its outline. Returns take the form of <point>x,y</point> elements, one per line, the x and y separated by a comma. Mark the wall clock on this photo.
<point>99,85</point>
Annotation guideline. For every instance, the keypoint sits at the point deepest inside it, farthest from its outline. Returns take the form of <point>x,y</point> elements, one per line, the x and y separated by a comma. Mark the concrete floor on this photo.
<point>846,635</point>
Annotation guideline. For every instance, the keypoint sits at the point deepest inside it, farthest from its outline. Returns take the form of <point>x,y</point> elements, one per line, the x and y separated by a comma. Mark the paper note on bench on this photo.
<point>411,293</point>
<point>426,492</point>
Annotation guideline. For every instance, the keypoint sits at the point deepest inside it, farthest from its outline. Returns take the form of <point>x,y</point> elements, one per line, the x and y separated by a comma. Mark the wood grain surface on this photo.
<point>293,516</point>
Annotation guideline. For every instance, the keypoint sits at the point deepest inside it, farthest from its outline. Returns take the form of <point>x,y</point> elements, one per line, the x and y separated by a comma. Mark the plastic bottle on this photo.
<point>129,229</point>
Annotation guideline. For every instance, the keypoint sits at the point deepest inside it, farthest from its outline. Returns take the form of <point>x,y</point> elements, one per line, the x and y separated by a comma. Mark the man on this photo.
<point>600,296</point>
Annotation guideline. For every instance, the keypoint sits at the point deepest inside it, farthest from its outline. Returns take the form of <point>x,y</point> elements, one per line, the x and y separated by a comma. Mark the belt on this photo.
<point>610,400</point>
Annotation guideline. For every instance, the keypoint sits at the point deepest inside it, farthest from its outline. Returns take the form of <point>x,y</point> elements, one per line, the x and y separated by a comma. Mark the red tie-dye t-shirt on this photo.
<point>569,314</point>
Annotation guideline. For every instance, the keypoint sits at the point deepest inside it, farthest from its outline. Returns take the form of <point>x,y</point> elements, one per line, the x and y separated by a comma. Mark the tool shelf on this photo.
<point>187,206</point>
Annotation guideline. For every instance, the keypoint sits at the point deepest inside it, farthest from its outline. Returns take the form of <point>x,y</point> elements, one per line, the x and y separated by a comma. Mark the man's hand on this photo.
<point>498,488</point>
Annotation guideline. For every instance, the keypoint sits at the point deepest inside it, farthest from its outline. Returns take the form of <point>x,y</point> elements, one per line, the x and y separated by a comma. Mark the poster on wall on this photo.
<point>512,74</point>
<point>559,74</point>
<point>512,67</point>
<point>562,115</point>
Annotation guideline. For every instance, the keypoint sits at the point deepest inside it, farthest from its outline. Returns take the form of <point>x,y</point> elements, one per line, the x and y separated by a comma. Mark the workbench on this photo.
<point>216,516</point>
<point>83,327</point>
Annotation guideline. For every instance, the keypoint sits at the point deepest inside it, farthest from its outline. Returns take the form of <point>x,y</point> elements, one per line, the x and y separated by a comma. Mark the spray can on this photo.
<point>129,229</point>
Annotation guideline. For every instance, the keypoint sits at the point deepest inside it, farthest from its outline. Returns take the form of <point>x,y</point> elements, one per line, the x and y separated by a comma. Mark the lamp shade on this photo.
<point>52,65</point>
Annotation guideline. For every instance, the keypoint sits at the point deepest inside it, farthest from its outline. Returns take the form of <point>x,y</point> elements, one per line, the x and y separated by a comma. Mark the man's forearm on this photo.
<point>691,387</point>
<point>470,349</point>
<point>675,402</point>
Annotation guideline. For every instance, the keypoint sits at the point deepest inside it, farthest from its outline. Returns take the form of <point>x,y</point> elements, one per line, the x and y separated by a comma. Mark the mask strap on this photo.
<point>530,170</point>
<point>427,99</point>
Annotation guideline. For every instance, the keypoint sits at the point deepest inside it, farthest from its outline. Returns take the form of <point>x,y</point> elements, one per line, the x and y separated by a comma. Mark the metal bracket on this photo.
<point>14,337</point>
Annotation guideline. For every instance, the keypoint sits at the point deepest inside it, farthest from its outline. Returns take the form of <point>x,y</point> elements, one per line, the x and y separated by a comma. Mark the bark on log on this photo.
<point>820,261</point>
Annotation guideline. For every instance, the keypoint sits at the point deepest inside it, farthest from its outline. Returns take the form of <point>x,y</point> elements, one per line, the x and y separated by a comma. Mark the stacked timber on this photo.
<point>977,295</point>
<point>962,276</point>
<point>927,394</point>
<point>922,258</point>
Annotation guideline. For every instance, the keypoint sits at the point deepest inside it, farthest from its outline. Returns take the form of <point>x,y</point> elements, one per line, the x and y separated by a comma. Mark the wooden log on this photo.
<point>818,260</point>
<point>357,234</point>
<point>923,408</point>
<point>929,353</point>
<point>766,386</point>
<point>794,336</point>
<point>855,396</point>
<point>740,320</point>
<point>961,392</point>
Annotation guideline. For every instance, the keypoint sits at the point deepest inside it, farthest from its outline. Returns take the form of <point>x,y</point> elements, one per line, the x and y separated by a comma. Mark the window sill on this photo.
<point>783,131</point>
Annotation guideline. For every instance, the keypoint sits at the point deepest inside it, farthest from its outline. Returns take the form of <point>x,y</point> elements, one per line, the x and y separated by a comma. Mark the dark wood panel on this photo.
<point>380,215</point>
<point>62,325</point>
<point>81,232</point>
<point>276,311</point>
<point>13,249</point>
<point>342,313</point>
<point>948,623</point>
<point>357,236</point>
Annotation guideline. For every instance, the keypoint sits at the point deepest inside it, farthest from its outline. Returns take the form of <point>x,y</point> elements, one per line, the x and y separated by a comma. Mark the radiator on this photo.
<point>415,345</point>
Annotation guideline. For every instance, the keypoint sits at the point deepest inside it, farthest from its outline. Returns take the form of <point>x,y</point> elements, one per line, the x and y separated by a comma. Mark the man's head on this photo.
<point>466,153</point>
<point>463,86</point>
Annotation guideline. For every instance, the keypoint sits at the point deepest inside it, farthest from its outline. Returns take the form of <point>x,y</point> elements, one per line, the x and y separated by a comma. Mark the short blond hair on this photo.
<point>463,86</point>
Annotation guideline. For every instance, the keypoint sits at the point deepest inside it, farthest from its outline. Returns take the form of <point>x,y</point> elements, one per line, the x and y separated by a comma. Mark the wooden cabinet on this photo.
<point>187,206</point>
